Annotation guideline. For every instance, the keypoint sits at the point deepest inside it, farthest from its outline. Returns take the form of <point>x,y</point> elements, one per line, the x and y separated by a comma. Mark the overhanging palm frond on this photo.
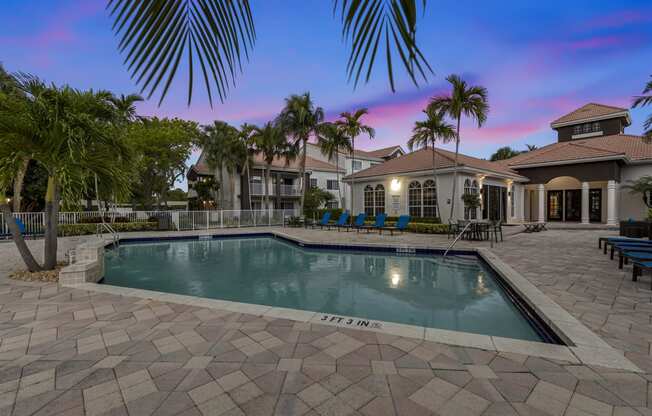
<point>370,24</point>
<point>156,34</point>
<point>643,101</point>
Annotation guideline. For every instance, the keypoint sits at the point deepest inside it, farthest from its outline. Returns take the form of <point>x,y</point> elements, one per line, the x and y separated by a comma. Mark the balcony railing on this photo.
<point>290,190</point>
<point>286,190</point>
<point>257,188</point>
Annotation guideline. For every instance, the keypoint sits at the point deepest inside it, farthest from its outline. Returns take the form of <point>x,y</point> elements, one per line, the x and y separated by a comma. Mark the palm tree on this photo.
<point>217,145</point>
<point>125,105</point>
<point>504,153</point>
<point>351,126</point>
<point>427,132</point>
<point>531,147</point>
<point>464,100</point>
<point>332,142</point>
<point>246,137</point>
<point>645,100</point>
<point>217,36</point>
<point>301,120</point>
<point>270,143</point>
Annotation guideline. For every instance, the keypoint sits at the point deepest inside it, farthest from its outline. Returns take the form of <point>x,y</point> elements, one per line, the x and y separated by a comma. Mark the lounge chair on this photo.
<point>624,246</point>
<point>359,222</point>
<point>343,219</point>
<point>401,225</point>
<point>642,255</point>
<point>639,268</point>
<point>617,239</point>
<point>380,223</point>
<point>324,220</point>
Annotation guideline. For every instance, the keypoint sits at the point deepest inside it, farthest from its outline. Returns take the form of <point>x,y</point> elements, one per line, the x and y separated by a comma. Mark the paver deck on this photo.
<point>70,351</point>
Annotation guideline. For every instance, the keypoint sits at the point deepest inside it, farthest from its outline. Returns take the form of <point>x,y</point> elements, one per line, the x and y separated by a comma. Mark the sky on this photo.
<point>538,61</point>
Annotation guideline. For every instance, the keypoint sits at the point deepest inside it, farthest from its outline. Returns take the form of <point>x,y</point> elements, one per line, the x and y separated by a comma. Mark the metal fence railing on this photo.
<point>34,222</point>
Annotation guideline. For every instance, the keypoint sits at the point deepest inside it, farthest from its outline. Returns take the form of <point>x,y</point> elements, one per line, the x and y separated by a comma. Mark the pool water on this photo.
<point>458,294</point>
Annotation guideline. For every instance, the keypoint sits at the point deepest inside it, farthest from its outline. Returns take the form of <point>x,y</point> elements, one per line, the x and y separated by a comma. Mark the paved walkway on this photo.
<point>67,351</point>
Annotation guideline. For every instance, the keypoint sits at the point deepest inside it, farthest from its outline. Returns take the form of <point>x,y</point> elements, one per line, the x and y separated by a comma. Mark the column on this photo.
<point>585,202</point>
<point>521,203</point>
<point>542,199</point>
<point>611,203</point>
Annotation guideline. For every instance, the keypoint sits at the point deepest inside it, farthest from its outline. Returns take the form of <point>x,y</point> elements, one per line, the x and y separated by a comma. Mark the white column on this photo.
<point>542,199</point>
<point>611,203</point>
<point>585,202</point>
<point>521,204</point>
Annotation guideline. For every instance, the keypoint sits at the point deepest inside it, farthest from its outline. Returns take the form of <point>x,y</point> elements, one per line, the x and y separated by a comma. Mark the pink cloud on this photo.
<point>619,19</point>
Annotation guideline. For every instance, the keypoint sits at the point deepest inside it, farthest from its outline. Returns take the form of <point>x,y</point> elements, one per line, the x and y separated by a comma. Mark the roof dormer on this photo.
<point>591,120</point>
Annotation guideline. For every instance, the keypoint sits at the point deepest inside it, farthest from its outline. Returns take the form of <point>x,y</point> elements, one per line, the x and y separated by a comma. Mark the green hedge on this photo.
<point>89,229</point>
<point>422,228</point>
<point>335,213</point>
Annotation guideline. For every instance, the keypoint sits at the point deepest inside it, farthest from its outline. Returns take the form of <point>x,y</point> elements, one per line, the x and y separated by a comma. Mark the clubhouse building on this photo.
<point>578,178</point>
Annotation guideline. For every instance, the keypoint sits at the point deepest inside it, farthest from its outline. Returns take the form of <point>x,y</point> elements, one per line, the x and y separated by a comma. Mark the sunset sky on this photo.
<point>538,60</point>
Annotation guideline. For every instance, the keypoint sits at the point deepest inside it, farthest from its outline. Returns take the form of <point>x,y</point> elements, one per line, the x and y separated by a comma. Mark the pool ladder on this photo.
<point>457,238</point>
<point>115,237</point>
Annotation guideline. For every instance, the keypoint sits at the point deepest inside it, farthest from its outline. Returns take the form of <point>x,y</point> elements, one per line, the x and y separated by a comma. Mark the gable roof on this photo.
<point>590,111</point>
<point>421,160</point>
<point>385,151</point>
<point>618,146</point>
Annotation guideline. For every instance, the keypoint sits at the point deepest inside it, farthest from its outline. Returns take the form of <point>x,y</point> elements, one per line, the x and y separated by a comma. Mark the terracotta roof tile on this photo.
<point>421,160</point>
<point>629,146</point>
<point>588,111</point>
<point>201,167</point>
<point>385,151</point>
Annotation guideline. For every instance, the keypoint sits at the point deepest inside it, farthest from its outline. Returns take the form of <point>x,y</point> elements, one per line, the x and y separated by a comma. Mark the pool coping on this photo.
<point>583,345</point>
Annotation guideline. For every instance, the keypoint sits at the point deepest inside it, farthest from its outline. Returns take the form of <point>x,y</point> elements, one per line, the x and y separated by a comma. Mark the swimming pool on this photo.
<point>454,293</point>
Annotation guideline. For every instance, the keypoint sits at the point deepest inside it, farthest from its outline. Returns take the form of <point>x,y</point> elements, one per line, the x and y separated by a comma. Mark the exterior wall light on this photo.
<point>395,185</point>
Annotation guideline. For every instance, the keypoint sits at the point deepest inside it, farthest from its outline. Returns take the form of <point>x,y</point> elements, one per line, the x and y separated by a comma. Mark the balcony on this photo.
<point>286,190</point>
<point>290,190</point>
<point>257,188</point>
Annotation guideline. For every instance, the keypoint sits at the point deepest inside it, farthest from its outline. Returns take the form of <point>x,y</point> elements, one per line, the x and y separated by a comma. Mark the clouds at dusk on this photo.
<point>537,60</point>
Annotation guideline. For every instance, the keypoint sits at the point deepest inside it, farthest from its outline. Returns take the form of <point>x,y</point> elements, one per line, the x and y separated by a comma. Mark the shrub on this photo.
<point>424,228</point>
<point>89,229</point>
<point>335,213</point>
<point>108,219</point>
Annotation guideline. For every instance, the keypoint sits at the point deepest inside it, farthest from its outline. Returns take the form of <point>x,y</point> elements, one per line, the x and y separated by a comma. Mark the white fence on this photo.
<point>34,222</point>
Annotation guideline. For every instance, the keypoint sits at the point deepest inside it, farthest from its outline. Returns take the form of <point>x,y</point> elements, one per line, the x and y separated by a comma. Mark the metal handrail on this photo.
<point>114,234</point>
<point>457,238</point>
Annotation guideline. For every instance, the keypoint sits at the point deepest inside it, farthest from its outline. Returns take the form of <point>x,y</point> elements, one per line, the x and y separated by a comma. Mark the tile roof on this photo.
<point>384,152</point>
<point>421,160</point>
<point>201,167</point>
<point>619,145</point>
<point>588,111</point>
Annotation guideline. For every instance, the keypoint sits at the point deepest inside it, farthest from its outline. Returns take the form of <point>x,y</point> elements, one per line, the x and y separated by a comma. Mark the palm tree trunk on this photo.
<point>434,178</point>
<point>248,178</point>
<point>221,188</point>
<point>303,175</point>
<point>51,223</point>
<point>352,172</point>
<point>457,152</point>
<point>337,176</point>
<point>267,169</point>
<point>18,182</point>
<point>23,250</point>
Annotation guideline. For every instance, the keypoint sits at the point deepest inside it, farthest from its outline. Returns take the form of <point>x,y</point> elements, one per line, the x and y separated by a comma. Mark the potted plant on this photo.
<point>471,201</point>
<point>631,228</point>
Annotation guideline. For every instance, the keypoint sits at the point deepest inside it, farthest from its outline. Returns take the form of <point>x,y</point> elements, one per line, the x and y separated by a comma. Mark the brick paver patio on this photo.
<point>68,351</point>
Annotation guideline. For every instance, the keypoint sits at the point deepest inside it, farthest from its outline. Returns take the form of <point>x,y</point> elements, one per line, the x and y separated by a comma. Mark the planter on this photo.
<point>635,229</point>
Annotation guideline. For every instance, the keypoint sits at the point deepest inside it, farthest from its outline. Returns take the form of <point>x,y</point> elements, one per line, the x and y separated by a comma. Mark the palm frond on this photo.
<point>154,35</point>
<point>367,24</point>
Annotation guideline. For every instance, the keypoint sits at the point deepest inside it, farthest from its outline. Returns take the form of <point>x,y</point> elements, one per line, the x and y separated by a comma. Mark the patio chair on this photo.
<point>637,254</point>
<point>453,229</point>
<point>619,240</point>
<point>359,222</point>
<point>639,267</point>
<point>324,220</point>
<point>494,229</point>
<point>343,219</point>
<point>380,223</point>
<point>621,246</point>
<point>401,225</point>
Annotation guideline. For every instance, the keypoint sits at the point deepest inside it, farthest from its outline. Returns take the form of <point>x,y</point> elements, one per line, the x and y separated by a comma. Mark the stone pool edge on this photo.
<point>584,346</point>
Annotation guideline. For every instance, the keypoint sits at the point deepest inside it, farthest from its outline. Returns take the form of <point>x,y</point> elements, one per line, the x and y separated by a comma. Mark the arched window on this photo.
<point>380,199</point>
<point>470,188</point>
<point>369,200</point>
<point>414,199</point>
<point>430,199</point>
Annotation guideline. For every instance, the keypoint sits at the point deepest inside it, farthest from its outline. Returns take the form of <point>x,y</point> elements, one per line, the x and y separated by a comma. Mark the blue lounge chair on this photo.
<point>639,266</point>
<point>359,222</point>
<point>624,246</point>
<point>617,240</point>
<point>343,219</point>
<point>635,254</point>
<point>324,220</point>
<point>401,225</point>
<point>378,225</point>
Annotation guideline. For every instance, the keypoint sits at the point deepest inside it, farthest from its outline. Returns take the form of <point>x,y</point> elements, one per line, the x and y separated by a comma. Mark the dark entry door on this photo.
<point>555,205</point>
<point>573,205</point>
<point>595,205</point>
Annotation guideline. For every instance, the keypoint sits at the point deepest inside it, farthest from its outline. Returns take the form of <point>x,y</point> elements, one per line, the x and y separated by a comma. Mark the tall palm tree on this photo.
<point>246,136</point>
<point>531,147</point>
<point>301,120</point>
<point>217,36</point>
<point>332,141</point>
<point>464,100</point>
<point>351,126</point>
<point>270,143</point>
<point>125,105</point>
<point>642,101</point>
<point>427,132</point>
<point>217,144</point>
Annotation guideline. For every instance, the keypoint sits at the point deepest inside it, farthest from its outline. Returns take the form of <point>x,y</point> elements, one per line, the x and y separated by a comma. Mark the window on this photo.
<point>595,126</point>
<point>577,129</point>
<point>414,199</point>
<point>380,199</point>
<point>369,200</point>
<point>470,187</point>
<point>586,128</point>
<point>313,182</point>
<point>332,184</point>
<point>357,165</point>
<point>332,204</point>
<point>430,199</point>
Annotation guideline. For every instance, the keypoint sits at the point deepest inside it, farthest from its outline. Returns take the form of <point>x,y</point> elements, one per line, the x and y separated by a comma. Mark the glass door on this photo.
<point>555,205</point>
<point>573,205</point>
<point>595,205</point>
